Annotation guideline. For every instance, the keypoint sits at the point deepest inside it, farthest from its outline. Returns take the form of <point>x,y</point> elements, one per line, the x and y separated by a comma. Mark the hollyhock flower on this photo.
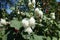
<point>33,2</point>
<point>28,30</point>
<point>52,15</point>
<point>36,10</point>
<point>39,12</point>
<point>3,21</point>
<point>25,23</point>
<point>29,4</point>
<point>32,22</point>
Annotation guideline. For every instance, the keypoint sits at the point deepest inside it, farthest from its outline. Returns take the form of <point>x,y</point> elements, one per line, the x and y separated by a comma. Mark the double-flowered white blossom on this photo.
<point>52,15</point>
<point>32,22</point>
<point>25,23</point>
<point>28,24</point>
<point>31,4</point>
<point>39,12</point>
<point>28,30</point>
<point>3,21</point>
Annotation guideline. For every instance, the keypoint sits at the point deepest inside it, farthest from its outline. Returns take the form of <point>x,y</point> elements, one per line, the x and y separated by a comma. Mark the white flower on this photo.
<point>25,23</point>
<point>39,12</point>
<point>29,30</point>
<point>52,15</point>
<point>3,21</point>
<point>33,2</point>
<point>36,10</point>
<point>32,22</point>
<point>29,4</point>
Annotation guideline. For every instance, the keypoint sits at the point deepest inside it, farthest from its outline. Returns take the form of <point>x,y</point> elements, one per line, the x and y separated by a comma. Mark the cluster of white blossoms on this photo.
<point>28,24</point>
<point>39,12</point>
<point>52,15</point>
<point>31,4</point>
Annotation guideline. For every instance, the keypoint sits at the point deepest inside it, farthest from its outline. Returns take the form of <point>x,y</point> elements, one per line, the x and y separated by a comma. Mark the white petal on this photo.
<point>32,22</point>
<point>39,12</point>
<point>25,23</point>
<point>29,30</point>
<point>33,2</point>
<point>52,15</point>
<point>3,21</point>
